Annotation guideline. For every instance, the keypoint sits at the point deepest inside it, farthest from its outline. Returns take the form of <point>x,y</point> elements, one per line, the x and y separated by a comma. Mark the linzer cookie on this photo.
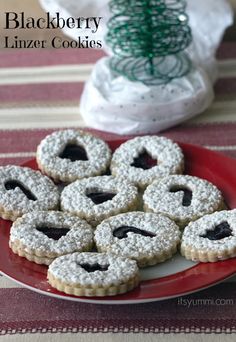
<point>144,159</point>
<point>182,198</point>
<point>145,237</point>
<point>93,274</point>
<point>24,190</point>
<point>72,154</point>
<point>42,236</point>
<point>97,198</point>
<point>210,238</point>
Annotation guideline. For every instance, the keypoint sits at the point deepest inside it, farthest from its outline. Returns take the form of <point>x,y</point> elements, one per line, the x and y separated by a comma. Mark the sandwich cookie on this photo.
<point>24,190</point>
<point>43,236</point>
<point>182,198</point>
<point>211,238</point>
<point>97,198</point>
<point>93,274</point>
<point>72,154</point>
<point>143,159</point>
<point>145,237</point>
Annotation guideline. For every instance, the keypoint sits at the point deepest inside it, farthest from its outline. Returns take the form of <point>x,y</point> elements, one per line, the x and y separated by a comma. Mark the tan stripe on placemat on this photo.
<point>68,116</point>
<point>17,155</point>
<point>59,73</point>
<point>75,73</point>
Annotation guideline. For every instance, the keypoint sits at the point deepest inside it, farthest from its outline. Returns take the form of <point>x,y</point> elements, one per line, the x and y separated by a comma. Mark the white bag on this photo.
<point>115,104</point>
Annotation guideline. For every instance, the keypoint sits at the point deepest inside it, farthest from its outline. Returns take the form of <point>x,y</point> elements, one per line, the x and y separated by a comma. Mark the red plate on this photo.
<point>200,162</point>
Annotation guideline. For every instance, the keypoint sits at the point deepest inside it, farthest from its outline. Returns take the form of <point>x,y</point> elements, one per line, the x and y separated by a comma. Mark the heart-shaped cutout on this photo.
<point>74,152</point>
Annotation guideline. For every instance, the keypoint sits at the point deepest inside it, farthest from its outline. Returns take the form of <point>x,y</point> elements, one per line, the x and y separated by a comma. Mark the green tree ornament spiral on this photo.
<point>148,39</point>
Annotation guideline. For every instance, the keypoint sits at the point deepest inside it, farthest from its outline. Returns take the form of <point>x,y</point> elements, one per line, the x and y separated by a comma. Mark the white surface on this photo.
<point>124,107</point>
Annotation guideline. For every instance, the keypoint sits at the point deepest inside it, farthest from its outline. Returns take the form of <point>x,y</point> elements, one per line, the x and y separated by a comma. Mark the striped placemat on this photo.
<point>209,311</point>
<point>42,89</point>
<point>39,93</point>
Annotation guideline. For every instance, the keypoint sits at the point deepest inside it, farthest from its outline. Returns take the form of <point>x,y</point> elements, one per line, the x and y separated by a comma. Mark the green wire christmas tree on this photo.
<point>148,39</point>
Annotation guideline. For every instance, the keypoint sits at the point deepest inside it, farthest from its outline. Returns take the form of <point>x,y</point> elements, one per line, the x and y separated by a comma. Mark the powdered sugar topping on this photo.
<point>192,236</point>
<point>169,156</point>
<point>74,199</point>
<point>166,232</point>
<point>44,190</point>
<point>68,270</point>
<point>51,147</point>
<point>24,231</point>
<point>206,197</point>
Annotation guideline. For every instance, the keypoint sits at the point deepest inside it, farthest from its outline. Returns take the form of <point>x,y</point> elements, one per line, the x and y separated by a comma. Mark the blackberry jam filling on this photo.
<point>13,184</point>
<point>188,195</point>
<point>122,231</point>
<point>144,161</point>
<point>53,233</point>
<point>100,197</point>
<point>74,152</point>
<point>95,267</point>
<point>220,231</point>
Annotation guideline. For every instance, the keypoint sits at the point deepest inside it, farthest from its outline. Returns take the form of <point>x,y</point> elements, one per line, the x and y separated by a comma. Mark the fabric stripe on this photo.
<point>227,68</point>
<point>63,73</point>
<point>27,58</point>
<point>227,50</point>
<point>31,93</point>
<point>18,143</point>
<point>43,117</point>
<point>17,155</point>
<point>32,116</point>
<point>44,93</point>
<point>225,87</point>
<point>71,91</point>
<point>74,73</point>
<point>221,148</point>
<point>58,314</point>
<point>221,111</point>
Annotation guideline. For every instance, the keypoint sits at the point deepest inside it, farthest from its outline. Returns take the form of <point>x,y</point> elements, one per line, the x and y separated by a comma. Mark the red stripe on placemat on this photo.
<point>53,92</point>
<point>222,134</point>
<point>25,58</point>
<point>227,50</point>
<point>213,309</point>
<point>71,91</point>
<point>14,161</point>
<point>225,86</point>
<point>214,134</point>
